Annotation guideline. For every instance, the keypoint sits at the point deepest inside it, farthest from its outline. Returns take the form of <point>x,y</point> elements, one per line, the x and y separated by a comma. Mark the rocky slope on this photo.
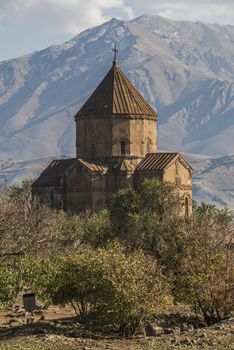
<point>213,178</point>
<point>183,69</point>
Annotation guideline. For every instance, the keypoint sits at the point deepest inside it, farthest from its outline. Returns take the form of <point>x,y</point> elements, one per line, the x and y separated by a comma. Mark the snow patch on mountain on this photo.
<point>184,69</point>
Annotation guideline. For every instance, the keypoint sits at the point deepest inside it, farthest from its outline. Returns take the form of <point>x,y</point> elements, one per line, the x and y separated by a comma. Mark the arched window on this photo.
<point>123,148</point>
<point>186,202</point>
<point>147,146</point>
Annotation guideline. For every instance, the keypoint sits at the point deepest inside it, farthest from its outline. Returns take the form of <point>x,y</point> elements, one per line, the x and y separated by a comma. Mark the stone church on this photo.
<point>116,147</point>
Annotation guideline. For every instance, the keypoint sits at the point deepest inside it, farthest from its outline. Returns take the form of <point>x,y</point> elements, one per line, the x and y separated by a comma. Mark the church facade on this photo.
<point>116,147</point>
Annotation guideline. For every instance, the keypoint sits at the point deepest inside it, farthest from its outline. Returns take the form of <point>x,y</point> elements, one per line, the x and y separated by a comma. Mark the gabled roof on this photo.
<point>126,166</point>
<point>159,161</point>
<point>51,176</point>
<point>116,95</point>
<point>94,167</point>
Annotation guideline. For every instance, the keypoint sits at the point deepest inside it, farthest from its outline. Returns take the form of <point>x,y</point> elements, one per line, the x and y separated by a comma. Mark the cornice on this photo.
<point>116,116</point>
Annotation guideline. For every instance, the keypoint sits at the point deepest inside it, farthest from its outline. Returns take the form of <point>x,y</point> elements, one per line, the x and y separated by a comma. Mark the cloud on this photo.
<point>70,16</point>
<point>73,16</point>
<point>221,11</point>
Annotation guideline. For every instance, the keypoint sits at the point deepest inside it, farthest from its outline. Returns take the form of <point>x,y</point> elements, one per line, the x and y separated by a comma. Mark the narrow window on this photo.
<point>186,206</point>
<point>147,146</point>
<point>123,148</point>
<point>92,151</point>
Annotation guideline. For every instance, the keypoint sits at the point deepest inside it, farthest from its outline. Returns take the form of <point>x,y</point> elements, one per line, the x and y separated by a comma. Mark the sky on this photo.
<point>29,25</point>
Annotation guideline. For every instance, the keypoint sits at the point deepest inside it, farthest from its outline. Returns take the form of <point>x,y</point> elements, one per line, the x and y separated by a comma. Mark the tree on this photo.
<point>159,197</point>
<point>130,288</point>
<point>138,217</point>
<point>24,221</point>
<point>10,279</point>
<point>121,288</point>
<point>204,278</point>
<point>97,228</point>
<point>125,207</point>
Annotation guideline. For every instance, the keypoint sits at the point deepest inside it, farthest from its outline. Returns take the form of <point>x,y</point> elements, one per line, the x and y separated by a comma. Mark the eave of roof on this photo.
<point>159,161</point>
<point>93,167</point>
<point>50,177</point>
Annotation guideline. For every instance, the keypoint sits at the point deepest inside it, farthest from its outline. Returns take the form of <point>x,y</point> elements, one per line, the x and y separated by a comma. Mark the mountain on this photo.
<point>184,69</point>
<point>213,178</point>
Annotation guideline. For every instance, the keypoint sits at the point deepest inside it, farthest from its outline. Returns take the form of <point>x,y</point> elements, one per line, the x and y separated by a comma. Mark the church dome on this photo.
<point>116,95</point>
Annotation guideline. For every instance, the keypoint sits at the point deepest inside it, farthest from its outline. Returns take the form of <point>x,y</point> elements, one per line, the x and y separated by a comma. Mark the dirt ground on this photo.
<point>57,328</point>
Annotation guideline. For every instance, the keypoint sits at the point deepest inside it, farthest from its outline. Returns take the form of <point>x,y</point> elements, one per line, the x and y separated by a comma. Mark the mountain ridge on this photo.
<point>185,70</point>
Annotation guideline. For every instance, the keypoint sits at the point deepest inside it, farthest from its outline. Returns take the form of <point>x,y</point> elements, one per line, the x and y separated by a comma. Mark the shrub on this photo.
<point>130,288</point>
<point>10,279</point>
<point>205,275</point>
<point>121,288</point>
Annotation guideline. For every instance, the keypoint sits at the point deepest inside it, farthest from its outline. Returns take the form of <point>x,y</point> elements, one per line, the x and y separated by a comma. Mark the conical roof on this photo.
<point>116,95</point>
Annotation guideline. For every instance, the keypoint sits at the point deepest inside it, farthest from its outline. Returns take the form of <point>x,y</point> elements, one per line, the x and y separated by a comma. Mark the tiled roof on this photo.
<point>95,167</point>
<point>116,95</point>
<point>50,177</point>
<point>126,166</point>
<point>156,161</point>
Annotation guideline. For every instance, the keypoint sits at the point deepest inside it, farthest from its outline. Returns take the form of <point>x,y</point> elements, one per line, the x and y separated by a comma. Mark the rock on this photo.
<point>152,330</point>
<point>42,317</point>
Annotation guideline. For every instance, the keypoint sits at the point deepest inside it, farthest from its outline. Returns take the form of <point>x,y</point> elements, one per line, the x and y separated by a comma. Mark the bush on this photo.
<point>120,288</point>
<point>137,216</point>
<point>204,278</point>
<point>130,288</point>
<point>10,279</point>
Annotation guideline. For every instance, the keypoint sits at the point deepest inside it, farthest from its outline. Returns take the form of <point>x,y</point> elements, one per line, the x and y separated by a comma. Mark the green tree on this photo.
<point>10,280</point>
<point>130,288</point>
<point>97,228</point>
<point>125,289</point>
<point>139,217</point>
<point>204,275</point>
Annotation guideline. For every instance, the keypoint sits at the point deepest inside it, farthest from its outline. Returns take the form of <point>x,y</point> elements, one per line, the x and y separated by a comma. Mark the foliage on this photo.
<point>136,215</point>
<point>62,279</point>
<point>69,258</point>
<point>39,274</point>
<point>205,275</point>
<point>119,287</point>
<point>9,281</point>
<point>97,228</point>
<point>130,288</point>
<point>66,231</point>
<point>24,221</point>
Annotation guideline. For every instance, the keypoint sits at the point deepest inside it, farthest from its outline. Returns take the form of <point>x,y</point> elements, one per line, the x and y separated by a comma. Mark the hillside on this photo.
<point>183,69</point>
<point>213,178</point>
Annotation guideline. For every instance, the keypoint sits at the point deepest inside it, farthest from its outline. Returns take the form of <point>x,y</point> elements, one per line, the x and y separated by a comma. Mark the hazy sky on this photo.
<point>29,25</point>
